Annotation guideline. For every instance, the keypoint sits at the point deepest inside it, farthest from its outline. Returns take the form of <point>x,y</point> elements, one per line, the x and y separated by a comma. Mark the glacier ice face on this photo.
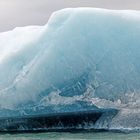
<point>82,58</point>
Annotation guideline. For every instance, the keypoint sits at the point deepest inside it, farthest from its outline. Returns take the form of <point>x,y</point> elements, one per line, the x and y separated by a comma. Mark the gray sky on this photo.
<point>15,13</point>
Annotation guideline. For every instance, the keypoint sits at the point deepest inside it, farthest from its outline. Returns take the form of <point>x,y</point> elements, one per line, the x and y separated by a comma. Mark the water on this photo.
<point>72,136</point>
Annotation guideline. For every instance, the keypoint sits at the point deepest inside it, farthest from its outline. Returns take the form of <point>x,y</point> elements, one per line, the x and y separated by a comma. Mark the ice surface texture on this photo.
<point>82,57</point>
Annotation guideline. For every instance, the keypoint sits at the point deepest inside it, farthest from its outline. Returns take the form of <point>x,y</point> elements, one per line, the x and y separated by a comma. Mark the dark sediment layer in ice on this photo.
<point>70,121</point>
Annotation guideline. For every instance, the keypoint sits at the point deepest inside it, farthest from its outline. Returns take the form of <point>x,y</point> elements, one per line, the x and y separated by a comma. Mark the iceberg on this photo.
<point>82,59</point>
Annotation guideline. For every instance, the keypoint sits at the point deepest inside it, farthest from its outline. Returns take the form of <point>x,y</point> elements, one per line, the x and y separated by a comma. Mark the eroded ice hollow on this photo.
<point>83,58</point>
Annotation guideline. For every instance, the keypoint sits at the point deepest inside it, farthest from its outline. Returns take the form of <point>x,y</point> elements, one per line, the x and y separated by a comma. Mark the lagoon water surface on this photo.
<point>72,136</point>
